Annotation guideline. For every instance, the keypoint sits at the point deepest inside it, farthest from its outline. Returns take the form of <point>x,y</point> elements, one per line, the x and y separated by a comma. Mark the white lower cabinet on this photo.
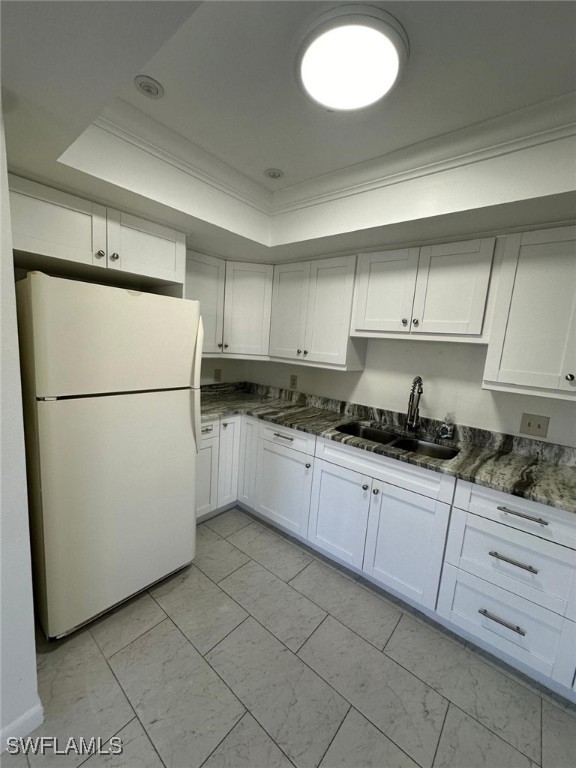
<point>339,512</point>
<point>509,580</point>
<point>405,542</point>
<point>228,460</point>
<point>283,485</point>
<point>247,460</point>
<point>207,469</point>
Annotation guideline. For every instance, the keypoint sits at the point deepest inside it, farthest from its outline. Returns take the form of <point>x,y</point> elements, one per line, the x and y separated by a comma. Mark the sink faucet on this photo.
<point>412,416</point>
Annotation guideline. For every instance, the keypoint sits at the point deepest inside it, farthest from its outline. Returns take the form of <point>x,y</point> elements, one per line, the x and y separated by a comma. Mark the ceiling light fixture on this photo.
<point>149,87</point>
<point>273,173</point>
<point>351,57</point>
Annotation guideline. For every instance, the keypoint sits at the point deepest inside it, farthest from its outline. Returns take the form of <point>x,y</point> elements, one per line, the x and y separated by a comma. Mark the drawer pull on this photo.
<point>284,437</point>
<point>498,620</point>
<point>518,564</point>
<point>206,429</point>
<point>523,515</point>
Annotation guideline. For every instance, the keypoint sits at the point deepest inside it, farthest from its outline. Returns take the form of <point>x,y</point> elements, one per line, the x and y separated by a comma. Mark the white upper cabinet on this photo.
<point>289,307</point>
<point>247,303</point>
<point>51,223</point>
<point>533,340</point>
<point>311,305</point>
<point>235,300</point>
<point>437,291</point>
<point>145,248</point>
<point>204,282</point>
<point>384,293</point>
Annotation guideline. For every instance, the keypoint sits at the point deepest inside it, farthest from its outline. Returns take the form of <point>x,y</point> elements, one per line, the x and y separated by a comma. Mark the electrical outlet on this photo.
<point>293,381</point>
<point>531,424</point>
<point>217,374</point>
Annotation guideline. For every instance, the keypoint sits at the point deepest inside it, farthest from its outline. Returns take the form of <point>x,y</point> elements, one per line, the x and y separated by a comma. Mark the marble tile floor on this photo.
<point>263,655</point>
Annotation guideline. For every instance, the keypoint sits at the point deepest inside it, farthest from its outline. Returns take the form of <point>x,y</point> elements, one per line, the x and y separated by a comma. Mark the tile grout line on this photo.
<point>456,705</point>
<point>238,699</point>
<point>137,636</point>
<point>440,734</point>
<point>136,716</point>
<point>335,733</point>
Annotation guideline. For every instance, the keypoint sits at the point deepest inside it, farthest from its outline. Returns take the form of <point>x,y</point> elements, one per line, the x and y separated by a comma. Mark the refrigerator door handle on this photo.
<point>198,355</point>
<point>196,417</point>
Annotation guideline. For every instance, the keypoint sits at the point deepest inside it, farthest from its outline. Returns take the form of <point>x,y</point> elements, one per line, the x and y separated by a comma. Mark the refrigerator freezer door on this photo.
<point>118,499</point>
<point>93,339</point>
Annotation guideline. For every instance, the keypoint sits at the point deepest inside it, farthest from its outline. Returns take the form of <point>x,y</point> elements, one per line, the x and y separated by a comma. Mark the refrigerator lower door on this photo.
<point>118,499</point>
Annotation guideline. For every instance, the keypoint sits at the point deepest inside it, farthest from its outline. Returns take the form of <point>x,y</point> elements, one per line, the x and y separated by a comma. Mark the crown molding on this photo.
<point>549,121</point>
<point>131,125</point>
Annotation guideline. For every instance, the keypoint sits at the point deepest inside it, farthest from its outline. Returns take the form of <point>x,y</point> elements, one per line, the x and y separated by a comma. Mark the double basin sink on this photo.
<point>412,444</point>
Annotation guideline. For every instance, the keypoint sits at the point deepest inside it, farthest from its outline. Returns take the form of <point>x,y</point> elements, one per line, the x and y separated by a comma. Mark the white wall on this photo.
<point>20,710</point>
<point>452,374</point>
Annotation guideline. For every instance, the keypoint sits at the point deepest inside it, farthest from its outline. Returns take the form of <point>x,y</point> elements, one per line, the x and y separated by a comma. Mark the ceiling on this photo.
<point>232,106</point>
<point>231,89</point>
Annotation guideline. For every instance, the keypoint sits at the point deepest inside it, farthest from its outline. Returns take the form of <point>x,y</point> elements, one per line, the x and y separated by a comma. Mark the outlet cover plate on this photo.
<point>217,374</point>
<point>293,381</point>
<point>534,425</point>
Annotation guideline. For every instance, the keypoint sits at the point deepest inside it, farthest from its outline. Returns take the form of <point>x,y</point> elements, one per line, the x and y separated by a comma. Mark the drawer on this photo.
<point>291,438</point>
<point>515,626</point>
<point>209,429</point>
<point>533,568</point>
<point>525,515</point>
<point>435,485</point>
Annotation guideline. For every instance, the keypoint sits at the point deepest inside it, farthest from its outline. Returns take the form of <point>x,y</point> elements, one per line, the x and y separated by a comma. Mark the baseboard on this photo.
<point>23,725</point>
<point>214,512</point>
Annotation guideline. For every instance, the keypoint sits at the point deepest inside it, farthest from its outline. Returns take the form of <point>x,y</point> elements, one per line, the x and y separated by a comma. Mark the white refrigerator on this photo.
<point>111,383</point>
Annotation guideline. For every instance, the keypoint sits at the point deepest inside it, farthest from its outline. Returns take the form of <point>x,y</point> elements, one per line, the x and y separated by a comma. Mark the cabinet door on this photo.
<point>339,511</point>
<point>327,332</point>
<point>385,291</point>
<point>289,306</point>
<point>283,486</point>
<point>405,542</point>
<point>228,460</point>
<point>205,283</point>
<point>51,223</point>
<point>247,304</point>
<point>145,248</point>
<point>207,476</point>
<point>452,287</point>
<point>533,333</point>
<point>247,461</point>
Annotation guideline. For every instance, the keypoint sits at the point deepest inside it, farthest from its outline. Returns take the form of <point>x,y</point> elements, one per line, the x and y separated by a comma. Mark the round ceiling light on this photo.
<point>351,57</point>
<point>149,87</point>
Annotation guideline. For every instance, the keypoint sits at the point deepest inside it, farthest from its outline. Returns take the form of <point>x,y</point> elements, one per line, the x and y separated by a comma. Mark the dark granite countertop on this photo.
<point>498,467</point>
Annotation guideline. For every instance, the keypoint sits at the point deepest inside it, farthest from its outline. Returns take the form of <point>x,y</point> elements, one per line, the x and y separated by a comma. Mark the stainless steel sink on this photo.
<point>381,436</point>
<point>412,444</point>
<point>424,448</point>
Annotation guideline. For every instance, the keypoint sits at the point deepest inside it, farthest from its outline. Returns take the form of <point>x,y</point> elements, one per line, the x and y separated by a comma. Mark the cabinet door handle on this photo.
<point>498,620</point>
<point>225,346</point>
<point>364,487</point>
<point>517,563</point>
<point>523,515</point>
<point>404,321</point>
<point>100,255</point>
<point>206,429</point>
<point>220,346</point>
<point>298,351</point>
<point>569,377</point>
<point>375,491</point>
<point>308,466</point>
<point>415,321</point>
<point>284,437</point>
<point>115,256</point>
<point>224,424</point>
<point>305,352</point>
